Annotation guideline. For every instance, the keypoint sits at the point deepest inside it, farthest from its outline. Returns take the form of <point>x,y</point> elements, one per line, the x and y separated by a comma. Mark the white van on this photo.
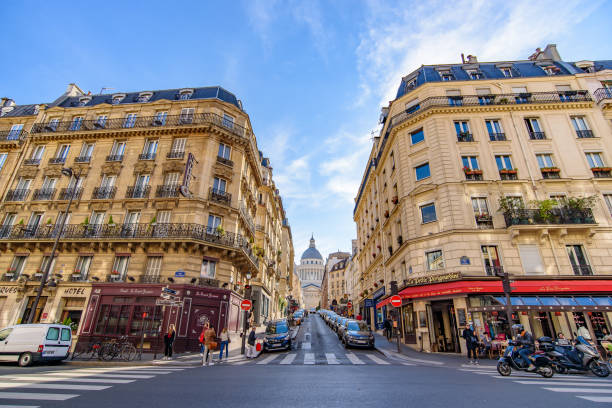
<point>25,343</point>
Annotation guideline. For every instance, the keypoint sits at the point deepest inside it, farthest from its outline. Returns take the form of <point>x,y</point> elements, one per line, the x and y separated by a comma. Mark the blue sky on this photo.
<point>312,74</point>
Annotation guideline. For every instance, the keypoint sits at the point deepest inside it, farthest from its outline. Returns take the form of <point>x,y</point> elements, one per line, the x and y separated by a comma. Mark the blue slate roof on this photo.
<point>312,253</point>
<point>21,110</point>
<point>210,92</point>
<point>491,70</point>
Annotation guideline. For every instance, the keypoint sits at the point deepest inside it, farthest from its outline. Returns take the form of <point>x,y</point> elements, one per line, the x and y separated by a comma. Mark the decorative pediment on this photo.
<point>81,168</point>
<point>11,208</point>
<point>423,188</point>
<point>111,168</point>
<point>144,167</point>
<point>223,171</point>
<point>27,172</point>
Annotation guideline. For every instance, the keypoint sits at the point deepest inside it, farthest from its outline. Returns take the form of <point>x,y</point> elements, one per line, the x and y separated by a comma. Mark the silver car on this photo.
<point>358,334</point>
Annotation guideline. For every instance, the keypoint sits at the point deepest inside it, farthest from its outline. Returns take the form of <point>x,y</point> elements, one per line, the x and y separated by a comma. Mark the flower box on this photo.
<point>115,272</point>
<point>601,169</point>
<point>550,170</point>
<point>505,171</point>
<point>483,217</point>
<point>472,172</point>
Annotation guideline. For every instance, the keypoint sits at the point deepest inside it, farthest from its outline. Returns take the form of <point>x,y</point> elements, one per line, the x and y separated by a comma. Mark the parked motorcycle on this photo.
<point>582,357</point>
<point>512,360</point>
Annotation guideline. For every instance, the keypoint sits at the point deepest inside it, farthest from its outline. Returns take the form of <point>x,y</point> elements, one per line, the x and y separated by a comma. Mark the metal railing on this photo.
<point>166,191</point>
<point>225,161</point>
<point>73,192</point>
<point>494,270</point>
<point>114,158</point>
<point>175,154</point>
<point>150,279</point>
<point>220,196</point>
<point>537,135</point>
<point>211,282</point>
<point>508,176</point>
<point>585,134</point>
<point>599,172</point>
<point>138,191</point>
<point>582,269</point>
<point>43,194</point>
<point>556,216</point>
<point>247,217</point>
<point>102,193</point>
<point>147,156</point>
<point>31,162</point>
<point>465,137</point>
<point>82,159</point>
<point>473,176</point>
<point>17,194</point>
<point>159,231</point>
<point>603,93</point>
<point>12,135</point>
<point>57,160</point>
<point>497,137</point>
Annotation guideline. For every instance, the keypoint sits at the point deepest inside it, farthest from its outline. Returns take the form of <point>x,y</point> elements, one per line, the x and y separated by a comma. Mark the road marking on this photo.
<point>83,380</point>
<point>95,372</point>
<point>288,359</point>
<point>582,390</point>
<point>240,362</point>
<point>306,346</point>
<point>353,358</point>
<point>136,376</point>
<point>55,386</point>
<point>377,360</point>
<point>309,358</point>
<point>556,378</point>
<point>564,383</point>
<point>596,399</point>
<point>268,359</point>
<point>36,396</point>
<point>331,358</point>
<point>19,406</point>
<point>408,364</point>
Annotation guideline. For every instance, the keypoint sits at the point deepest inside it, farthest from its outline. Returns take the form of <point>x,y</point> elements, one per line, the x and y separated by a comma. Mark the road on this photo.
<point>306,376</point>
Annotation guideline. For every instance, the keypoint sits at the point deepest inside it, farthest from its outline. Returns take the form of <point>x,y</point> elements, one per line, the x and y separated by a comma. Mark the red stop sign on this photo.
<point>246,305</point>
<point>349,305</point>
<point>396,300</point>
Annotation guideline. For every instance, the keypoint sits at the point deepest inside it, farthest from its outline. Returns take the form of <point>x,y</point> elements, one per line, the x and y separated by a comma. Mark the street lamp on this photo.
<point>68,172</point>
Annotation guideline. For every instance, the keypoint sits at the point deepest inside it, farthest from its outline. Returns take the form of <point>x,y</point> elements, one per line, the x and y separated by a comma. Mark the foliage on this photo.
<point>220,230</point>
<point>49,222</point>
<point>578,203</point>
<point>110,220</point>
<point>86,221</point>
<point>510,204</point>
<point>545,208</point>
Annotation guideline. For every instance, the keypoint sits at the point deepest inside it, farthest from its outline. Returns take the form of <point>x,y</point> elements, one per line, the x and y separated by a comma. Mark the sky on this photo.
<point>311,74</point>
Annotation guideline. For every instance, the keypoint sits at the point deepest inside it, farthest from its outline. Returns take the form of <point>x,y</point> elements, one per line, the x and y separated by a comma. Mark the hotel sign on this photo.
<point>428,280</point>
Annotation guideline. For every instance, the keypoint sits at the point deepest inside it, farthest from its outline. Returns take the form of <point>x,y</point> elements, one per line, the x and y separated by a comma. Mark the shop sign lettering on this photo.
<point>74,291</point>
<point>135,291</point>
<point>207,295</point>
<point>6,290</point>
<point>427,280</point>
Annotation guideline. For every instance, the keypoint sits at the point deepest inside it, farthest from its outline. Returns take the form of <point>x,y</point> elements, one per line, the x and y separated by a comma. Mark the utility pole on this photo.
<point>397,315</point>
<point>507,290</point>
<point>246,314</point>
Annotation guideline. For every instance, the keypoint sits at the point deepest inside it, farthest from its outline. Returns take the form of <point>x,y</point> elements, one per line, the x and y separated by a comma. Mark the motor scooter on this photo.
<point>511,360</point>
<point>582,357</point>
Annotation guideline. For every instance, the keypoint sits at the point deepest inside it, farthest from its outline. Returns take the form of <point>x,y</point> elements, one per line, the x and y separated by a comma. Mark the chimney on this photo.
<point>550,52</point>
<point>73,90</point>
<point>471,59</point>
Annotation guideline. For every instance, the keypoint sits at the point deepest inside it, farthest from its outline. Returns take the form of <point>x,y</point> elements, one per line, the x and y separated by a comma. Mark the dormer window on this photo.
<point>84,100</point>
<point>185,94</point>
<point>447,76</point>
<point>475,74</point>
<point>144,97</point>
<point>117,98</point>
<point>551,69</point>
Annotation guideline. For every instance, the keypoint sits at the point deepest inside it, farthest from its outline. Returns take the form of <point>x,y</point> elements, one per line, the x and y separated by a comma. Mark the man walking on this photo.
<point>471,342</point>
<point>251,344</point>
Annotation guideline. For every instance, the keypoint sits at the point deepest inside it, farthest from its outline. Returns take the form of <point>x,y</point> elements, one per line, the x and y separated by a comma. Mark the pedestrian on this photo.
<point>251,344</point>
<point>225,341</point>
<point>209,343</point>
<point>387,326</point>
<point>201,340</point>
<point>168,340</point>
<point>471,342</point>
<point>358,316</point>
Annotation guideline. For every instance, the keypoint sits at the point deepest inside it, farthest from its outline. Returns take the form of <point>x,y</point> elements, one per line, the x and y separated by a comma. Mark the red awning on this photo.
<point>541,287</point>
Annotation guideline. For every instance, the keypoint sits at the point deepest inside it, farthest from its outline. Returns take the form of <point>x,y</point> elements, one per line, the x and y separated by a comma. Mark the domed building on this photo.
<point>310,271</point>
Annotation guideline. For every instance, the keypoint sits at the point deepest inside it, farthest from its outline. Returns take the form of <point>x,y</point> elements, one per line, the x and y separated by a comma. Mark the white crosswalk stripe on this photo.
<point>353,358</point>
<point>268,359</point>
<point>288,359</point>
<point>331,358</point>
<point>578,390</point>
<point>73,379</point>
<point>377,360</point>
<point>595,399</point>
<point>54,386</point>
<point>19,406</point>
<point>309,358</point>
<point>36,396</point>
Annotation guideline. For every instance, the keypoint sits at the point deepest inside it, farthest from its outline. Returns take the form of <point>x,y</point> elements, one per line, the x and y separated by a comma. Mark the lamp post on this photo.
<point>69,173</point>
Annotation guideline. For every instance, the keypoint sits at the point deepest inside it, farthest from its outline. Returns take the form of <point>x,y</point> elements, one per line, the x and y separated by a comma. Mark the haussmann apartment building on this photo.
<point>165,187</point>
<point>488,168</point>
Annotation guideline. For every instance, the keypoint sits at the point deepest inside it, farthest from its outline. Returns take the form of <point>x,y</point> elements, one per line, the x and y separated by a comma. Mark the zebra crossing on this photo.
<point>322,358</point>
<point>589,388</point>
<point>65,384</point>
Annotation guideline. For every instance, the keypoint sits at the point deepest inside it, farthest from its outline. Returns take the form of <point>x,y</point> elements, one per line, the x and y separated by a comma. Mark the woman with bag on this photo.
<point>201,340</point>
<point>209,343</point>
<point>168,341</point>
<point>225,340</point>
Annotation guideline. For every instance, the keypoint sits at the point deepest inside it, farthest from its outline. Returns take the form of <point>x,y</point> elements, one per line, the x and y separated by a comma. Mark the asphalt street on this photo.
<point>311,378</point>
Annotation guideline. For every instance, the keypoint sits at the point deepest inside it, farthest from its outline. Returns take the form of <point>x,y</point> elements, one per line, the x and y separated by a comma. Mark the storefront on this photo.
<point>380,314</point>
<point>130,310</point>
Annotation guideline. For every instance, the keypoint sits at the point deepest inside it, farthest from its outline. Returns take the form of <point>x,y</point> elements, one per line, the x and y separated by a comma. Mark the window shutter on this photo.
<point>531,259</point>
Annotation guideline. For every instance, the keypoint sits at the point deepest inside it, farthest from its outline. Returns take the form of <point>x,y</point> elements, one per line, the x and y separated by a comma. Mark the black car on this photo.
<point>278,336</point>
<point>358,334</point>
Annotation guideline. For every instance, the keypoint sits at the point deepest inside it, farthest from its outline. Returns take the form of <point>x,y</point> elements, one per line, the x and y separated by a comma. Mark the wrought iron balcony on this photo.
<point>219,196</point>
<point>142,232</point>
<point>473,175</point>
<point>603,93</point>
<point>585,134</point>
<point>43,194</point>
<point>13,136</point>
<point>17,195</point>
<point>537,135</point>
<point>114,158</point>
<point>8,277</point>
<point>68,193</point>
<point>508,174</point>
<point>494,270</point>
<point>497,137</point>
<point>465,137</point>
<point>210,282</point>
<point>175,154</point>
<point>166,191</point>
<point>602,172</point>
<point>115,277</point>
<point>77,277</point>
<point>57,160</point>
<point>484,221</point>
<point>551,172</point>
<point>556,216</point>
<point>104,193</point>
<point>247,217</point>
<point>582,269</point>
<point>138,191</point>
<point>147,156</point>
<point>144,122</point>
<point>150,279</point>
<point>31,162</point>
<point>225,161</point>
<point>82,159</point>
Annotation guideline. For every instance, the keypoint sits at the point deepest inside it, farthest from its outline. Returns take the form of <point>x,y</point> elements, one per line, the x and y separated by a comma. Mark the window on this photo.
<point>172,179</point>
<point>62,152</point>
<point>163,216</point>
<point>213,222</point>
<point>470,162</point>
<point>228,121</point>
<point>475,74</point>
<point>608,200</point>
<point>154,264</point>
<point>446,75</point>
<point>480,207</point>
<point>413,106</point>
<point>108,181</point>
<point>150,148</point>
<point>184,95</point>
<point>428,213</point>
<point>130,120</point>
<point>545,160</point>
<point>23,184</point>
<point>37,152</point>
<point>49,183</point>
<point>531,259</point>
<point>506,72</point>
<point>581,127</point>
<point>82,266</point>
<point>495,130</point>
<point>86,150</point>
<point>45,264</point>
<point>462,128</point>
<point>578,260</point>
<point>422,171</point>
<point>53,333</point>
<point>219,185</point>
<point>97,218</point>
<point>7,223</point>
<point>17,266</point>
<point>208,268</point>
<point>392,157</point>
<point>224,151</point>
<point>143,180</point>
<point>520,94</point>
<point>117,99</point>
<point>76,123</point>
<point>178,145</point>
<point>417,136</point>
<point>3,157</point>
<point>484,96</point>
<point>101,121</point>
<point>594,159</point>
<point>52,125</point>
<point>454,97</point>
<point>118,149</point>
<point>132,217</point>
<point>15,132</point>
<point>120,267</point>
<point>503,162</point>
<point>186,115</point>
<point>491,259</point>
<point>435,260</point>
<point>534,129</point>
<point>144,97</point>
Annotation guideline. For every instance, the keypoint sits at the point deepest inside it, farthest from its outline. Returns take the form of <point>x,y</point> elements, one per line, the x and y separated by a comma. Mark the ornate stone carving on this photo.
<point>27,172</point>
<point>100,206</point>
<point>135,205</point>
<point>223,171</point>
<point>112,168</point>
<point>173,166</point>
<point>144,167</point>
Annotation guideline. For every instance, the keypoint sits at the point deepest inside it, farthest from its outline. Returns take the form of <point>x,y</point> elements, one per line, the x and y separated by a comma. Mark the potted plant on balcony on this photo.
<point>111,222</point>
<point>511,207</point>
<point>483,217</point>
<point>220,231</point>
<point>550,170</point>
<point>49,222</point>
<point>579,208</point>
<point>468,171</point>
<point>85,222</point>
<point>545,210</point>
<point>115,272</point>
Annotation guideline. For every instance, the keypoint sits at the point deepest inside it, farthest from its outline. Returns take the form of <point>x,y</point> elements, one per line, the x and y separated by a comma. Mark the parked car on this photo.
<point>28,343</point>
<point>277,336</point>
<point>342,327</point>
<point>358,334</point>
<point>298,317</point>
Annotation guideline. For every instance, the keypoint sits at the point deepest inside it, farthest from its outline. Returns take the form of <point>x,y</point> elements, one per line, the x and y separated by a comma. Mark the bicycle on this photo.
<point>122,349</point>
<point>87,352</point>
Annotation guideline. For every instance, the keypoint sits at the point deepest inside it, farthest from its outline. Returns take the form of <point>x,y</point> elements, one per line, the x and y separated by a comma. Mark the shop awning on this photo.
<point>541,287</point>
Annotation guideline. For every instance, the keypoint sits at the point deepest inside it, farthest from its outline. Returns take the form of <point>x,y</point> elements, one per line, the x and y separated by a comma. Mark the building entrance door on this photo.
<point>444,327</point>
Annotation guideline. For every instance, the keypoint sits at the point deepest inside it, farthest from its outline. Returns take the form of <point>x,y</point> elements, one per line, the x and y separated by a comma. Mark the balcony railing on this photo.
<point>225,161</point>
<point>247,217</point>
<point>602,172</point>
<point>556,216</point>
<point>550,172</point>
<point>176,154</point>
<point>508,174</point>
<point>167,191</point>
<point>17,194</point>
<point>138,191</point>
<point>114,158</point>
<point>585,134</point>
<point>484,221</point>
<point>472,175</point>
<point>57,160</point>
<point>209,282</point>
<point>159,231</point>
<point>114,277</point>
<point>82,159</point>
<point>220,196</point>
<point>13,136</point>
<point>537,135</point>
<point>150,279</point>
<point>144,122</point>
<point>603,93</point>
<point>465,137</point>
<point>68,193</point>
<point>104,193</point>
<point>43,194</point>
<point>582,269</point>
<point>147,156</point>
<point>497,137</point>
<point>31,162</point>
<point>494,270</point>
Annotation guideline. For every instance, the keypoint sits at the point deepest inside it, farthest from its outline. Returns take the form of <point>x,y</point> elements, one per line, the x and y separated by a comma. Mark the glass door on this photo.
<point>491,259</point>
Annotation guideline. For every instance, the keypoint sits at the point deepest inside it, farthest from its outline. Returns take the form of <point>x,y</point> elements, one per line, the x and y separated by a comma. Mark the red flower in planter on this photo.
<point>115,272</point>
<point>375,284</point>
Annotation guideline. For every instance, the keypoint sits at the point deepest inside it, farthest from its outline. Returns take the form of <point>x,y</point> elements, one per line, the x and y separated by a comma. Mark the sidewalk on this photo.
<point>389,349</point>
